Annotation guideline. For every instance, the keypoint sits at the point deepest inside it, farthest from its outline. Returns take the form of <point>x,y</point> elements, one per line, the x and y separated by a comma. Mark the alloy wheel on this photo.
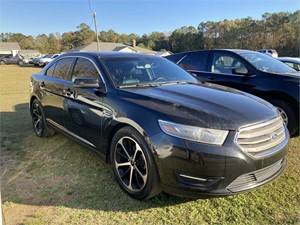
<point>283,115</point>
<point>37,119</point>
<point>130,164</point>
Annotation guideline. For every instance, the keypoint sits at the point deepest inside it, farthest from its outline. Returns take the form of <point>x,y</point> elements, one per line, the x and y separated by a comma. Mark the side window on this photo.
<point>84,68</point>
<point>223,63</point>
<point>62,69</point>
<point>50,71</point>
<point>182,62</point>
<point>293,65</point>
<point>196,61</point>
<point>175,57</point>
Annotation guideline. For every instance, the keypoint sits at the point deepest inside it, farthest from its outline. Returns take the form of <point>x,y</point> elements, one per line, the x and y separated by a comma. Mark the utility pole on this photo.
<point>96,30</point>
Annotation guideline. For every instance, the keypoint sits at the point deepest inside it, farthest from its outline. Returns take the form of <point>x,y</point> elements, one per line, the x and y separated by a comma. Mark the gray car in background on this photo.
<point>291,62</point>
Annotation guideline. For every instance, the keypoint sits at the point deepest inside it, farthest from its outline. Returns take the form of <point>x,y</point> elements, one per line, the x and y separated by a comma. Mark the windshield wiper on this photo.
<point>139,85</point>
<point>178,82</point>
<point>156,84</point>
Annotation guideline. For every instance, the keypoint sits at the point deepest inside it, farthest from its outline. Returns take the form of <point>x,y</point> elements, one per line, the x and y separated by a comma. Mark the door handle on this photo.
<point>68,92</point>
<point>42,84</point>
<point>211,78</point>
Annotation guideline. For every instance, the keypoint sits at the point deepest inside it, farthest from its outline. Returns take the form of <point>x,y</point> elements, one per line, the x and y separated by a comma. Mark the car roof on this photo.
<point>290,59</point>
<point>108,54</point>
<point>237,51</point>
<point>267,50</point>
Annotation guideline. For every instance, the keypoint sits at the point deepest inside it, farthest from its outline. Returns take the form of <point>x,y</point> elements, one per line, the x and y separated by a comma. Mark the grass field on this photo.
<point>56,181</point>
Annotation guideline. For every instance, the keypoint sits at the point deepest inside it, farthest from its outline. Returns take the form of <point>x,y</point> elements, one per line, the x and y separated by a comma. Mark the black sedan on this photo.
<point>249,71</point>
<point>158,126</point>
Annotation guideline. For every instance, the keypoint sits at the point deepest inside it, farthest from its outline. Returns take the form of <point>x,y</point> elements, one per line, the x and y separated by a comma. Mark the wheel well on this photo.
<point>110,137</point>
<point>289,101</point>
<point>31,100</point>
<point>282,97</point>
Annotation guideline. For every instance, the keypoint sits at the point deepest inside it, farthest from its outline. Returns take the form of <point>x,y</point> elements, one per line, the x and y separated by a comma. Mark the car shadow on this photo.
<point>56,171</point>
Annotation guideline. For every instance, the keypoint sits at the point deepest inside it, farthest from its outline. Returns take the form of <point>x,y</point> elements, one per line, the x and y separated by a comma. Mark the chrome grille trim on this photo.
<point>260,139</point>
<point>250,180</point>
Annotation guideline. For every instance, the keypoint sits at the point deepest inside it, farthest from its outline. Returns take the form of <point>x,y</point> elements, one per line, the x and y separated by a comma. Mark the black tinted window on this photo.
<point>62,68</point>
<point>84,68</point>
<point>50,71</point>
<point>175,57</point>
<point>196,61</point>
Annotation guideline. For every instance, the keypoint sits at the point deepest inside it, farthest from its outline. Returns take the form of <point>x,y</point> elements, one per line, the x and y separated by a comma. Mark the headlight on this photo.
<point>203,135</point>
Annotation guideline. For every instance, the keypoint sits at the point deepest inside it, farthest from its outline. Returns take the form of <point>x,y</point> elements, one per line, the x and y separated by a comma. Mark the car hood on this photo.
<point>294,75</point>
<point>207,105</point>
<point>45,59</point>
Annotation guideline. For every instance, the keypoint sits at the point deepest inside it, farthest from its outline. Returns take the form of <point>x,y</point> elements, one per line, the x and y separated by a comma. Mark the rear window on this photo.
<point>50,71</point>
<point>196,61</point>
<point>175,57</point>
<point>62,69</point>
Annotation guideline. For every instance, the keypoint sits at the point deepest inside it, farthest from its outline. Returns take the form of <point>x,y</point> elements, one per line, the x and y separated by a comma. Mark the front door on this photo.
<point>83,112</point>
<point>221,69</point>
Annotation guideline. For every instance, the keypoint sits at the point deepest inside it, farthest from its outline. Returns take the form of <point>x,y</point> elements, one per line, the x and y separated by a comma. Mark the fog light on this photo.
<point>193,178</point>
<point>197,183</point>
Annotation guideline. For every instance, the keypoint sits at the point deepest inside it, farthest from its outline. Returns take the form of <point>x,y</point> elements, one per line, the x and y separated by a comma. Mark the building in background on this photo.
<point>28,53</point>
<point>108,46</point>
<point>9,48</point>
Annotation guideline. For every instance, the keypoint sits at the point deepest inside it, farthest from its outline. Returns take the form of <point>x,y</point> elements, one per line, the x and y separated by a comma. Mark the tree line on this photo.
<point>278,31</point>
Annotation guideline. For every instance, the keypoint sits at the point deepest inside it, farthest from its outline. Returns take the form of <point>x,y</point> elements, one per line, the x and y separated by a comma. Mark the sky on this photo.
<point>33,17</point>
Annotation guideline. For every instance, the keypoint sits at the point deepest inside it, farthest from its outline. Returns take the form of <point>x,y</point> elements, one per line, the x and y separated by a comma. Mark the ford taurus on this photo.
<point>159,127</point>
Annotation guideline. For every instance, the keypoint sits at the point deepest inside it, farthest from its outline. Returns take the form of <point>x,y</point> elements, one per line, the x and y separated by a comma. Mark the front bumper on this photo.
<point>195,170</point>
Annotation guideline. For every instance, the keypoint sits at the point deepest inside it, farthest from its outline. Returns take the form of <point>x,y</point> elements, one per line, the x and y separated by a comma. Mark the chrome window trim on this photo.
<point>226,74</point>
<point>179,61</point>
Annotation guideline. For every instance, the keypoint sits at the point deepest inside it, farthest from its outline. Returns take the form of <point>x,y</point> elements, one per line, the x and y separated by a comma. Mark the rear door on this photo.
<point>11,60</point>
<point>56,84</point>
<point>197,64</point>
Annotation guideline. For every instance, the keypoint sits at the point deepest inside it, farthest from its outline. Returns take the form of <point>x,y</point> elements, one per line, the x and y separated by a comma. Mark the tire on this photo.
<point>288,114</point>
<point>21,63</point>
<point>138,175</point>
<point>2,62</point>
<point>38,120</point>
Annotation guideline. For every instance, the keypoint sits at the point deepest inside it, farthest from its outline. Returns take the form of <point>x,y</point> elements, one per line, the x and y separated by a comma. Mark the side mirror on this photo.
<point>86,82</point>
<point>241,71</point>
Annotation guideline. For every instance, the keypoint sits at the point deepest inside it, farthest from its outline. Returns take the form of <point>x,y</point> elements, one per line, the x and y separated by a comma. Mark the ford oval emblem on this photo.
<point>274,136</point>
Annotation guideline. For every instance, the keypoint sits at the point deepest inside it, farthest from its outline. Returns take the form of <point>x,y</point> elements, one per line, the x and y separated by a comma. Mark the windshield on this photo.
<point>266,63</point>
<point>145,71</point>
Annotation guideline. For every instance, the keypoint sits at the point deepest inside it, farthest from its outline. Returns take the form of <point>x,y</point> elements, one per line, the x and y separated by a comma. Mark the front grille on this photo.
<point>253,179</point>
<point>261,138</point>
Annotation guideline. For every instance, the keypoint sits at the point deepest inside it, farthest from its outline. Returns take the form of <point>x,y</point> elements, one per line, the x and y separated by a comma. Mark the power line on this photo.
<point>95,22</point>
<point>90,6</point>
<point>91,22</point>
